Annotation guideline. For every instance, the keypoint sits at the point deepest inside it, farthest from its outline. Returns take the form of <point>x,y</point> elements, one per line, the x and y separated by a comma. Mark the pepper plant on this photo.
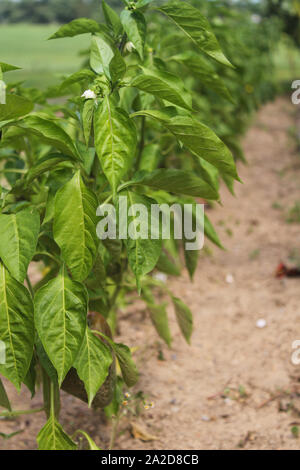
<point>126,124</point>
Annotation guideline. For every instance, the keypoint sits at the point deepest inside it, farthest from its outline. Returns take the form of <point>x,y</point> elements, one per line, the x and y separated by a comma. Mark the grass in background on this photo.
<point>287,61</point>
<point>26,46</point>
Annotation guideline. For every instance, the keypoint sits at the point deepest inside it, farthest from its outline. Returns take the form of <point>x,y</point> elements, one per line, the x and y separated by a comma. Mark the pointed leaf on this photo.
<point>204,71</point>
<point>77,77</point>
<point>135,27</point>
<point>196,27</point>
<point>117,67</point>
<point>53,437</point>
<point>60,320</point>
<point>15,107</point>
<point>76,27</point>
<point>164,85</point>
<point>92,363</point>
<point>87,119</point>
<point>129,371</point>
<point>7,67</point>
<point>74,226</point>
<point>115,141</point>
<point>176,181</point>
<point>18,240</point>
<point>143,250</point>
<point>101,55</point>
<point>112,18</point>
<point>51,133</point>
<point>4,400</point>
<point>159,317</point>
<point>197,138</point>
<point>184,318</point>
<point>16,328</point>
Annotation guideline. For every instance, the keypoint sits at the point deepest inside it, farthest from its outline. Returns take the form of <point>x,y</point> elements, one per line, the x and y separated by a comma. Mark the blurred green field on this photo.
<point>287,61</point>
<point>42,61</point>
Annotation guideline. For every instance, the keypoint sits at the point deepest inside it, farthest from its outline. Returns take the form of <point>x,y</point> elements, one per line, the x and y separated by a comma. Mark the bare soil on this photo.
<point>235,386</point>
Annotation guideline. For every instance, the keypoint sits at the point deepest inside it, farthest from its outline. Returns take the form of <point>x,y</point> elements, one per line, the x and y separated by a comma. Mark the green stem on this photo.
<point>122,43</point>
<point>9,170</point>
<point>142,142</point>
<point>10,414</point>
<point>29,286</point>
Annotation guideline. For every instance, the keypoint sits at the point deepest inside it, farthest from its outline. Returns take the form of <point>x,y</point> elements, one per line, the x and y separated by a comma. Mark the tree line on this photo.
<point>50,11</point>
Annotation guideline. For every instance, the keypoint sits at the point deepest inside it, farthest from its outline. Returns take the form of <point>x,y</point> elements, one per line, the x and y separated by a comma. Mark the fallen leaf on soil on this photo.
<point>139,432</point>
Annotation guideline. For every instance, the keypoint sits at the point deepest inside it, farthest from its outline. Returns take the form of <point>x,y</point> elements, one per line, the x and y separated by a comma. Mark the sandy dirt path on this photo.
<point>208,395</point>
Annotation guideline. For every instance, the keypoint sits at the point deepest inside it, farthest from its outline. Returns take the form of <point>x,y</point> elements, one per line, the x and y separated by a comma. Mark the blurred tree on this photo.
<point>49,11</point>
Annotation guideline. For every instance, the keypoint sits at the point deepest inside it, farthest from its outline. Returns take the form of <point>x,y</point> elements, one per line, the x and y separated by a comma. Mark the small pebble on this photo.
<point>205,418</point>
<point>229,279</point>
<point>261,323</point>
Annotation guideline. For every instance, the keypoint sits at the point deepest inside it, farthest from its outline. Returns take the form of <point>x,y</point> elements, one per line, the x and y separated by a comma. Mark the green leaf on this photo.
<point>143,250</point>
<point>4,400</point>
<point>112,19</point>
<point>44,164</point>
<point>18,240</point>
<point>164,85</point>
<point>76,27</point>
<point>101,55</point>
<point>150,157</point>
<point>204,71</point>
<point>7,67</point>
<point>16,328</point>
<point>30,377</point>
<point>184,318</point>
<point>167,265</point>
<point>92,444</point>
<point>53,437</point>
<point>60,320</point>
<point>159,318</point>
<point>210,232</point>
<point>51,133</point>
<point>77,77</point>
<point>142,3</point>
<point>74,226</point>
<point>15,107</point>
<point>196,27</point>
<point>191,260</point>
<point>129,371</point>
<point>117,67</point>
<point>198,139</point>
<point>92,363</point>
<point>115,141</point>
<point>135,27</point>
<point>87,119</point>
<point>176,181</point>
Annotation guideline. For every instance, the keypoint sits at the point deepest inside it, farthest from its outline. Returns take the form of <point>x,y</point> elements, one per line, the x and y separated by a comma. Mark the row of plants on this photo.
<point>154,115</point>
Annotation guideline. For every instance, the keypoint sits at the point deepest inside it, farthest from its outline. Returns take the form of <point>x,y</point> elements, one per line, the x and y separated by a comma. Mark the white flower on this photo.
<point>89,95</point>
<point>129,46</point>
<point>261,323</point>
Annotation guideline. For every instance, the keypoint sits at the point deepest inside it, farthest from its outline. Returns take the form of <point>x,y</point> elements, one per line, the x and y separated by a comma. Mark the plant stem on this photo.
<point>9,170</point>
<point>114,429</point>
<point>142,142</point>
<point>8,414</point>
<point>122,43</point>
<point>29,286</point>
